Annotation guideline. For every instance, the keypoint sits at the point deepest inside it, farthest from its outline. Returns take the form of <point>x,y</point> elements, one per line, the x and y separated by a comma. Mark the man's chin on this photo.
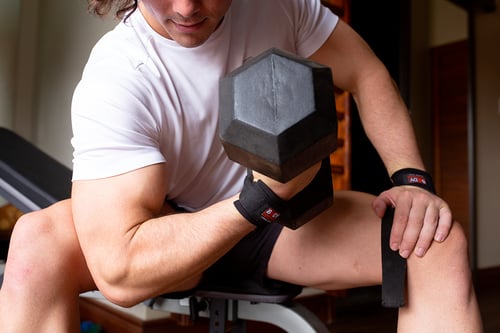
<point>190,42</point>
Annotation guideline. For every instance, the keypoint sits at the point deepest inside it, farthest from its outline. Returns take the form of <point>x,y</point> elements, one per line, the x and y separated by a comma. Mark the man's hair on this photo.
<point>120,7</point>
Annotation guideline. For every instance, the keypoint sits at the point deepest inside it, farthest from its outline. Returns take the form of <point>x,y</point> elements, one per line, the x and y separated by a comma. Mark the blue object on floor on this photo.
<point>89,327</point>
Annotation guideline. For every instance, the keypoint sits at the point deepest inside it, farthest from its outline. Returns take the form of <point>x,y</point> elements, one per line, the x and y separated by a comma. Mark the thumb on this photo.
<point>379,205</point>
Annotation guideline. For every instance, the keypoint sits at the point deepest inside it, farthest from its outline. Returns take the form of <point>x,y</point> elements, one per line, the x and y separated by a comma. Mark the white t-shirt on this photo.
<point>143,99</point>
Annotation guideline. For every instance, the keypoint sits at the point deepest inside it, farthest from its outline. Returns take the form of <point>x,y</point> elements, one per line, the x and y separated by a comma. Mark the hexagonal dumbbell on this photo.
<point>277,115</point>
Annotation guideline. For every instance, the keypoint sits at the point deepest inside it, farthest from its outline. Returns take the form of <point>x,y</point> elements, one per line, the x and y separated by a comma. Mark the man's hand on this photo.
<point>420,217</point>
<point>288,190</point>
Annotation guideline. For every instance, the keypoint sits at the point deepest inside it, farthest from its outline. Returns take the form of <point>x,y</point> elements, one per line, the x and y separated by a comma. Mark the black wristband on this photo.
<point>413,177</point>
<point>258,203</point>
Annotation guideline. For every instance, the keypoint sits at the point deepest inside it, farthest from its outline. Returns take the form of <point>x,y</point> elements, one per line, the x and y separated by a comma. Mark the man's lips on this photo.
<point>188,27</point>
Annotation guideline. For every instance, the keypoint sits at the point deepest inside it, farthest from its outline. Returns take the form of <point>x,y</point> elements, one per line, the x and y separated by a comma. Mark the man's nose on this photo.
<point>186,8</point>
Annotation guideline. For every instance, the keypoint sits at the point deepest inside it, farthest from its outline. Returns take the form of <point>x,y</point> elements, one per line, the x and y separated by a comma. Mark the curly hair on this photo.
<point>121,7</point>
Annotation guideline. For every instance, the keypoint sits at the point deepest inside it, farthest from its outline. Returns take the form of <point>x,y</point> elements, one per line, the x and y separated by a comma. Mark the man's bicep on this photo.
<point>349,57</point>
<point>109,209</point>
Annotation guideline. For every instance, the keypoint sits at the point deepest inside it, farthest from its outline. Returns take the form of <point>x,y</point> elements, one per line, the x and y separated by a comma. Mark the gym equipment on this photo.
<point>236,307</point>
<point>414,177</point>
<point>29,178</point>
<point>260,206</point>
<point>277,116</point>
<point>393,267</point>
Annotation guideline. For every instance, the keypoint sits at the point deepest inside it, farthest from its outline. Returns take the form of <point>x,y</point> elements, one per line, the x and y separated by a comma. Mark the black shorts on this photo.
<point>245,265</point>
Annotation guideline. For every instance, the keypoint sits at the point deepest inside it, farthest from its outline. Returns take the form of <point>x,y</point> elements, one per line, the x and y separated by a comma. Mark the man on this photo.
<point>145,133</point>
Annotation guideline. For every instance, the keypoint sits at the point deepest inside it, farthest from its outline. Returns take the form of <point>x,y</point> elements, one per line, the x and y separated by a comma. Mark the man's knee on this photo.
<point>28,229</point>
<point>444,257</point>
<point>456,243</point>
<point>33,227</point>
<point>40,235</point>
<point>447,264</point>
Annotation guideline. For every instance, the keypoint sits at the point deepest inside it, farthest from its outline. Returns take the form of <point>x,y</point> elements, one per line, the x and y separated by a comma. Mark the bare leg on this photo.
<point>341,249</point>
<point>440,293</point>
<point>44,275</point>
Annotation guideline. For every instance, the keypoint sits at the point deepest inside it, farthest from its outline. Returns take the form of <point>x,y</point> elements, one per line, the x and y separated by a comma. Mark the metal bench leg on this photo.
<point>291,317</point>
<point>218,315</point>
<point>222,310</point>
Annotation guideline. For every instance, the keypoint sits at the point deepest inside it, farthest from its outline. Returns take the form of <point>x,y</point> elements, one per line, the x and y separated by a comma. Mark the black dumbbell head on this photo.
<point>277,114</point>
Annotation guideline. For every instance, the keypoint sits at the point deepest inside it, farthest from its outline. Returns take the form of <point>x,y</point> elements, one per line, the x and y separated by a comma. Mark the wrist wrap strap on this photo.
<point>393,265</point>
<point>413,177</point>
<point>260,206</point>
<point>258,203</point>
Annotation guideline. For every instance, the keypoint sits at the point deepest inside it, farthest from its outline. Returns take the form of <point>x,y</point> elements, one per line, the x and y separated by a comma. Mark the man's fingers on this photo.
<point>413,231</point>
<point>422,230</point>
<point>444,226</point>
<point>419,219</point>
<point>399,224</point>
<point>427,233</point>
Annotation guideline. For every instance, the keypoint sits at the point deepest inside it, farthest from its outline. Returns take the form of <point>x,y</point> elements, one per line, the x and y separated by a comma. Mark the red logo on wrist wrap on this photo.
<point>270,215</point>
<point>416,179</point>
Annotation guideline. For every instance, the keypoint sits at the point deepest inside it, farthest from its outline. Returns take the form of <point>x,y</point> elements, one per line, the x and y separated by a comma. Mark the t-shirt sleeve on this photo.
<point>314,23</point>
<point>113,129</point>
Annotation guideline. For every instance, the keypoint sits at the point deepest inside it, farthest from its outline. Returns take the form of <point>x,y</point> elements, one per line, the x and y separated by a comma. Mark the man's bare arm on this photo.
<point>420,216</point>
<point>383,113</point>
<point>133,252</point>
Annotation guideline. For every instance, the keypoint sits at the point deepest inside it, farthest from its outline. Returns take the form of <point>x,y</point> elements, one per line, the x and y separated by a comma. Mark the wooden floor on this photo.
<point>361,312</point>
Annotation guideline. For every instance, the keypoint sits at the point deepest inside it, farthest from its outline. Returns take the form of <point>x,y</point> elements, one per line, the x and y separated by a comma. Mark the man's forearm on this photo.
<point>387,122</point>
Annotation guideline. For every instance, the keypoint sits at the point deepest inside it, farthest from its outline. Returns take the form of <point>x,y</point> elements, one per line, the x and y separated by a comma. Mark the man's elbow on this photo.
<point>114,281</point>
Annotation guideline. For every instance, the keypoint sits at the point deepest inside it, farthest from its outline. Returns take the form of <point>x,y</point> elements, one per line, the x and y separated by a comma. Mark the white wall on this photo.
<point>66,35</point>
<point>45,45</point>
<point>9,27</point>
<point>488,136</point>
<point>26,68</point>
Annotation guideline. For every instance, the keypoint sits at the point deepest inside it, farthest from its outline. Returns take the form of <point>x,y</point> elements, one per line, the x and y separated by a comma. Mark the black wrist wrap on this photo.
<point>258,203</point>
<point>413,177</point>
<point>260,206</point>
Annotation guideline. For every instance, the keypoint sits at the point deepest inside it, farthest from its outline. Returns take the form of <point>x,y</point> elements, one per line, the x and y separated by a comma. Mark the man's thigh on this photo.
<point>338,249</point>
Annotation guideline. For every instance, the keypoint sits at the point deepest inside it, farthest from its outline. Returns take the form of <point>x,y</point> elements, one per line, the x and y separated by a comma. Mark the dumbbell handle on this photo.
<point>260,205</point>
